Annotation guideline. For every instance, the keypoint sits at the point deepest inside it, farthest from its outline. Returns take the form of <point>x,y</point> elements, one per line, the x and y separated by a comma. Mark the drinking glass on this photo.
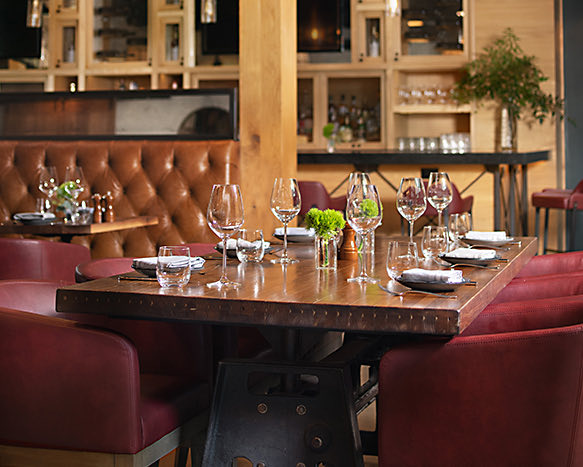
<point>48,182</point>
<point>75,185</point>
<point>411,201</point>
<point>173,266</point>
<point>364,214</point>
<point>434,241</point>
<point>361,178</point>
<point>439,192</point>
<point>285,205</point>
<point>400,257</point>
<point>224,216</point>
<point>250,247</point>
<point>459,225</point>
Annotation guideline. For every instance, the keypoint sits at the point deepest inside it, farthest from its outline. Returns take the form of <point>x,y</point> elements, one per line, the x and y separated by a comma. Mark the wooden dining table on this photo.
<point>66,231</point>
<point>310,415</point>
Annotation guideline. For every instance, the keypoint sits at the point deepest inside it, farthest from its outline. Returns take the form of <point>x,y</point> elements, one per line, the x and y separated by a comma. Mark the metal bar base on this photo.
<point>254,418</point>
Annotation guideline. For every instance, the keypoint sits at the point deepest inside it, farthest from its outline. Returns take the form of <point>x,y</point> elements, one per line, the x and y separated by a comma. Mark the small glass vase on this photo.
<point>507,124</point>
<point>326,252</point>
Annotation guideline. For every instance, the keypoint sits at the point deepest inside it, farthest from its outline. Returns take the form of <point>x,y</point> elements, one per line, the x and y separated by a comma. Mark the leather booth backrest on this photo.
<point>168,179</point>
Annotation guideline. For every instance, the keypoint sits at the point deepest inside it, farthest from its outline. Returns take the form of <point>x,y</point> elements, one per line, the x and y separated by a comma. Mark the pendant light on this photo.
<point>208,11</point>
<point>392,8</point>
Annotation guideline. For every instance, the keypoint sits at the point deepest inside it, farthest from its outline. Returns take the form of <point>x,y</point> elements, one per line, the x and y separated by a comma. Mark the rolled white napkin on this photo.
<point>449,276</point>
<point>232,244</point>
<point>470,253</point>
<point>296,231</point>
<point>496,236</point>
<point>196,262</point>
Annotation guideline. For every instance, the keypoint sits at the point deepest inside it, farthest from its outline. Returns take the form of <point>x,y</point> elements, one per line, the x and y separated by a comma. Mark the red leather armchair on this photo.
<point>90,389</point>
<point>504,399</point>
<point>40,259</point>
<point>558,263</point>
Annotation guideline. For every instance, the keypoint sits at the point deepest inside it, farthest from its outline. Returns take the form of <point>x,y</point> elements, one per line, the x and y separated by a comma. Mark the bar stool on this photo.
<point>568,200</point>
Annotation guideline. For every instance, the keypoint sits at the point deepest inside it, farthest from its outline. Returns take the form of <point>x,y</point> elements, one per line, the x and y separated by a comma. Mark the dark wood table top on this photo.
<point>56,229</point>
<point>299,296</point>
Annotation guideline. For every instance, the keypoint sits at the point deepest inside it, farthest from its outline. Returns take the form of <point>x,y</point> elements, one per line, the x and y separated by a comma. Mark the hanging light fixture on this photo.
<point>34,12</point>
<point>392,8</point>
<point>208,11</point>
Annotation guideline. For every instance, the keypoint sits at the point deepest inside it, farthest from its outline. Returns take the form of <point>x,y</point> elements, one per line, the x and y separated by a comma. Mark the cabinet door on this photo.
<point>120,31</point>
<point>171,41</point>
<point>67,49</point>
<point>435,29</point>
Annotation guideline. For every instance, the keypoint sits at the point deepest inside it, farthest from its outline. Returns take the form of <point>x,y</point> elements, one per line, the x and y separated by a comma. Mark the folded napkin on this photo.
<point>496,236</point>
<point>232,244</point>
<point>296,231</point>
<point>31,216</point>
<point>469,253</point>
<point>449,276</point>
<point>196,262</point>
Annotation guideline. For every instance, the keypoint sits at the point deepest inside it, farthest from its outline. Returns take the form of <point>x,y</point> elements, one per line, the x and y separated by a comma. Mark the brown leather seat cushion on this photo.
<point>168,179</point>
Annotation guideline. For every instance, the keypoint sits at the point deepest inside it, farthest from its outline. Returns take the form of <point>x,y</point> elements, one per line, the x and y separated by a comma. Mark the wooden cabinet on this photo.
<point>134,44</point>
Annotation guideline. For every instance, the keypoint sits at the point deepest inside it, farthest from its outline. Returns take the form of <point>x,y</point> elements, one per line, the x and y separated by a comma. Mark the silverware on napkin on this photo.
<point>398,289</point>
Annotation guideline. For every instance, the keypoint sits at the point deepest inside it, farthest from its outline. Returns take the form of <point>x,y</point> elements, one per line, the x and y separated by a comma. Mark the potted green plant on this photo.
<point>327,225</point>
<point>504,74</point>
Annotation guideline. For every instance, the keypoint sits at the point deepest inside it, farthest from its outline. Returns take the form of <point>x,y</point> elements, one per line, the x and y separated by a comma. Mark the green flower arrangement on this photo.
<point>65,198</point>
<point>505,74</point>
<point>326,224</point>
<point>369,208</point>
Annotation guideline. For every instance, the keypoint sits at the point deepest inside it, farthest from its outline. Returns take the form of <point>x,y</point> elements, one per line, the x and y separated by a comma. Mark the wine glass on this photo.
<point>360,178</point>
<point>364,214</point>
<point>224,216</point>
<point>74,186</point>
<point>459,225</point>
<point>411,201</point>
<point>434,241</point>
<point>439,192</point>
<point>48,182</point>
<point>285,205</point>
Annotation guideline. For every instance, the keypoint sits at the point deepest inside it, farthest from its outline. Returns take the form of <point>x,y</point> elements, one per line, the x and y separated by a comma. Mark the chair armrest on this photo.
<point>528,315</point>
<point>547,286</point>
<point>513,399</point>
<point>56,373</point>
<point>559,263</point>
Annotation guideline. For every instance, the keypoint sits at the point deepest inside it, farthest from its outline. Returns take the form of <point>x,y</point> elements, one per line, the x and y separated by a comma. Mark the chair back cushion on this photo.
<point>40,259</point>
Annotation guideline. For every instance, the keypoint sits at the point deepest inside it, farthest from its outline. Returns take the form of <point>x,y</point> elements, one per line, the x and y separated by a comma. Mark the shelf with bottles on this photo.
<point>355,108</point>
<point>171,81</point>
<point>370,41</point>
<point>68,83</point>
<point>430,28</point>
<point>120,31</point>
<point>96,82</point>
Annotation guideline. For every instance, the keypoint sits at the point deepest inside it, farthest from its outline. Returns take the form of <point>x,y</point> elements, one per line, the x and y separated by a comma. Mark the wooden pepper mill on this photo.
<point>108,213</point>
<point>96,200</point>
<point>349,248</point>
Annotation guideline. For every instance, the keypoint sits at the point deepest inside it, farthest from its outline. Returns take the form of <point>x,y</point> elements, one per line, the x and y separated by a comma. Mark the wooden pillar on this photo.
<point>268,105</point>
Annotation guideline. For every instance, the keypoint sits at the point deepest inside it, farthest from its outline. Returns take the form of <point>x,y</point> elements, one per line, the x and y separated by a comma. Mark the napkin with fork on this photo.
<point>470,253</point>
<point>196,262</point>
<point>449,276</point>
<point>496,236</point>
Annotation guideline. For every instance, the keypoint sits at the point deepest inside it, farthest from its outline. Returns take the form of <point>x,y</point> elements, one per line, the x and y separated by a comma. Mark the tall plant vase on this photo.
<point>326,252</point>
<point>506,130</point>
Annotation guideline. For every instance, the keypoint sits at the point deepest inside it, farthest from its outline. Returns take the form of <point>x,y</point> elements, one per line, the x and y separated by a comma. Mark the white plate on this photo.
<point>476,261</point>
<point>434,286</point>
<point>296,234</point>
<point>487,242</point>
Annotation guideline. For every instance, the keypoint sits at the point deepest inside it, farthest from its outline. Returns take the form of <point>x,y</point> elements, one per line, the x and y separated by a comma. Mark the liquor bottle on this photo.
<point>345,132</point>
<point>353,114</point>
<point>342,109</point>
<point>374,44</point>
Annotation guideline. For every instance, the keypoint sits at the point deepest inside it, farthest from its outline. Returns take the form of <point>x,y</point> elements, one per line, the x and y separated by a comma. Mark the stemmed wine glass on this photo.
<point>364,214</point>
<point>439,192</point>
<point>224,216</point>
<point>285,205</point>
<point>411,200</point>
<point>48,182</point>
<point>74,186</point>
<point>359,178</point>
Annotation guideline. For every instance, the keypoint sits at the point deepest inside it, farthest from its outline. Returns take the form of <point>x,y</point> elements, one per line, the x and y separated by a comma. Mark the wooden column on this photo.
<point>268,105</point>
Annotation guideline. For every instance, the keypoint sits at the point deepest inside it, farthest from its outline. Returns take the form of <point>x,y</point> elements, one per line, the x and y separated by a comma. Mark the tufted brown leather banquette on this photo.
<point>168,179</point>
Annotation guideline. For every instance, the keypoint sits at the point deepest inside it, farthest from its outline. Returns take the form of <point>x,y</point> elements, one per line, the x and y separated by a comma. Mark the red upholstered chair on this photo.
<point>558,263</point>
<point>40,259</point>
<point>111,393</point>
<point>544,286</point>
<point>507,398</point>
<point>568,200</point>
<point>315,195</point>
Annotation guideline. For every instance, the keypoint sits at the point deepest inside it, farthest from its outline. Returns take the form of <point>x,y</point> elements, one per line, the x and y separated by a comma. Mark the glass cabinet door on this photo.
<point>120,30</point>
<point>432,28</point>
